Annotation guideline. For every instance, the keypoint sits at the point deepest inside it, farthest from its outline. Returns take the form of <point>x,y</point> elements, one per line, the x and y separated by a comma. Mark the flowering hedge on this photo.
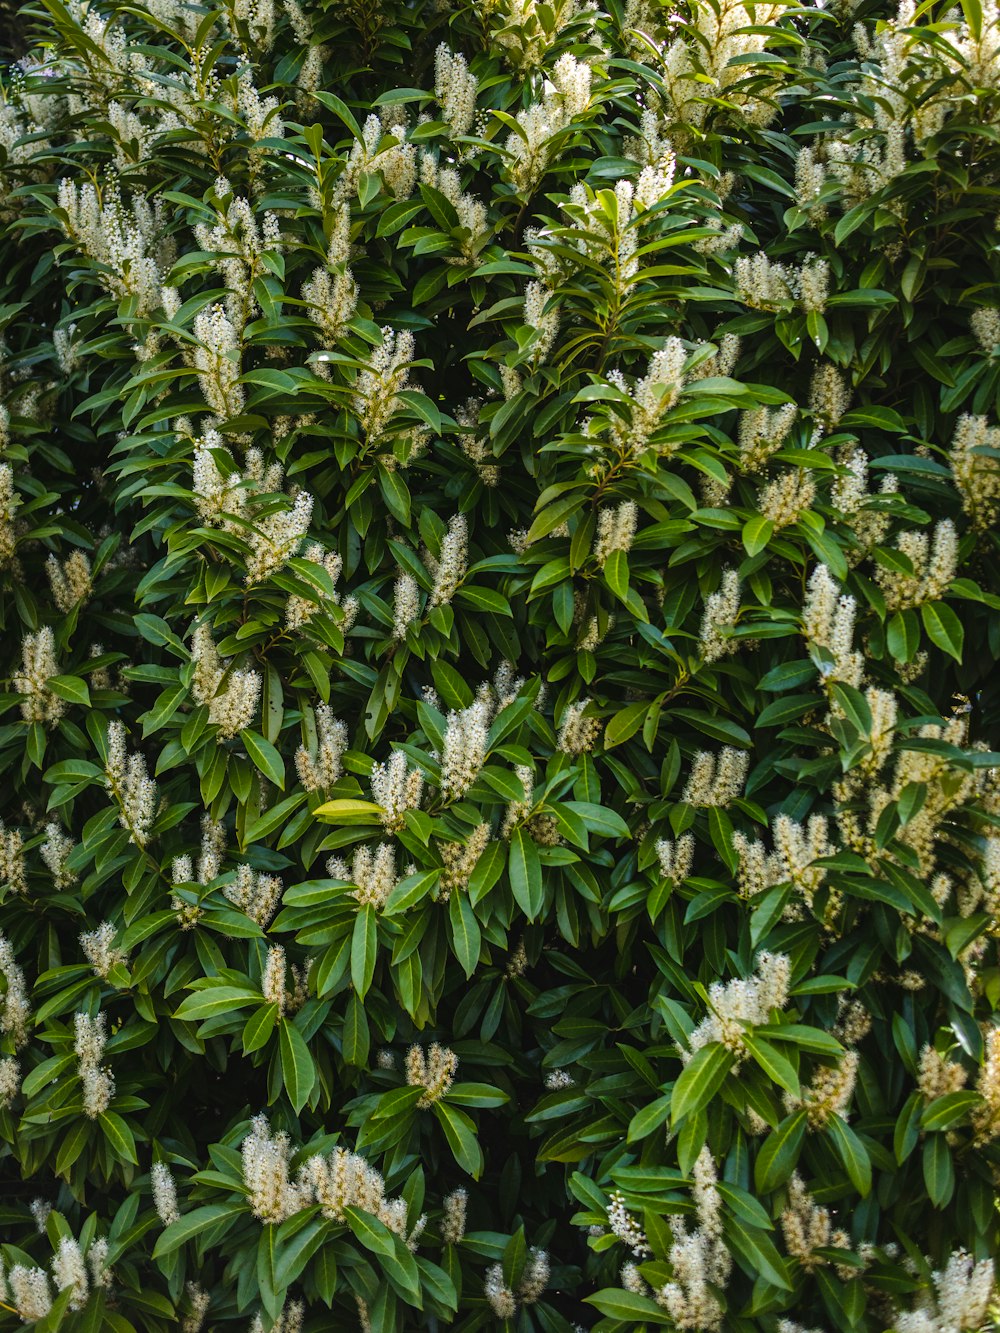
<point>498,571</point>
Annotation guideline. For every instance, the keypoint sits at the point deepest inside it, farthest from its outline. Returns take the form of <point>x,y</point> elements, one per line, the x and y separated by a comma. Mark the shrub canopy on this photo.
<point>498,571</point>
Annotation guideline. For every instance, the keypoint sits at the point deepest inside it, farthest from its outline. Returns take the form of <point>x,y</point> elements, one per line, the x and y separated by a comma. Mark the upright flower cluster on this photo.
<point>320,763</point>
<point>933,560</point>
<point>130,785</point>
<point>743,1003</point>
<point>100,951</point>
<point>699,1259</point>
<point>434,1071</point>
<point>465,745</point>
<point>717,780</point>
<point>505,1302</point>
<point>255,893</point>
<point>232,694</point>
<point>39,703</point>
<point>97,1082</point>
<point>16,1011</point>
<point>373,872</point>
<point>396,788</point>
<point>450,566</point>
<point>273,1196</point>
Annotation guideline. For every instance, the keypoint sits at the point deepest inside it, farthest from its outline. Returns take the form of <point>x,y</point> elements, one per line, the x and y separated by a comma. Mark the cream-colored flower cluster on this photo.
<point>699,1260</point>
<point>456,88</point>
<point>255,893</point>
<point>448,568</point>
<point>299,610</point>
<point>13,868</point>
<point>376,402</point>
<point>39,703</point>
<point>762,432</point>
<point>72,1271</point>
<point>676,858</point>
<point>933,560</point>
<point>615,530</point>
<point>70,580</point>
<point>164,1190</point>
<point>320,762</point>
<point>129,783</point>
<point>623,1225</point>
<point>15,1015</point>
<point>578,730</point>
<point>396,788</point>
<point>272,1194</point>
<point>937,1075</point>
<point>828,1093</point>
<point>828,618</point>
<point>703,64</point>
<point>243,505</point>
<point>742,1003</point>
<point>213,847</point>
<point>433,1070</point>
<point>986,1116</point>
<point>100,950</point>
<point>459,860</point>
<point>97,1081</point>
<point>960,1300</point>
<point>373,872</point>
<point>566,95</point>
<point>9,504</point>
<point>766,284</point>
<point>331,293</point>
<point>851,496</point>
<point>232,694</point>
<point>122,238</point>
<point>787,497</point>
<point>382,148</point>
<point>453,1220</point>
<point>337,1181</point>
<point>273,984</point>
<point>650,400</point>
<point>976,470</point>
<point>717,780</point>
<point>808,1227</point>
<point>465,745</point>
<point>722,610</point>
<point>503,1300</point>
<point>345,1179</point>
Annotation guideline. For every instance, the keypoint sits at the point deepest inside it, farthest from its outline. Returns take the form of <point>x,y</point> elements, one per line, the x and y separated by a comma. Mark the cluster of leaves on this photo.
<point>512,576</point>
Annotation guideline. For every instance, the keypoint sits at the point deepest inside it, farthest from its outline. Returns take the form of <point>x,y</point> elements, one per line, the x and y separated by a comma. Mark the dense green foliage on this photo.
<point>499,588</point>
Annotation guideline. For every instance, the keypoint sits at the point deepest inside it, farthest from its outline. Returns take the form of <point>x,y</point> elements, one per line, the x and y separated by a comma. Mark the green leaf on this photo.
<point>852,1153</point>
<point>348,812</point>
<point>258,1028</point>
<point>217,1000</point>
<point>192,1224</point>
<point>298,1072</point>
<point>628,1306</point>
<point>949,1110</point>
<point>939,1171</point>
<point>356,1038</point>
<point>525,870</point>
<point>776,1066</point>
<point>71,688</point>
<point>700,1079</point>
<point>944,629</point>
<point>757,532</point>
<point>461,1135</point>
<point>465,933</point>
<point>779,1153</point>
<point>265,757</point>
<point>364,948</point>
<point>120,1138</point>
